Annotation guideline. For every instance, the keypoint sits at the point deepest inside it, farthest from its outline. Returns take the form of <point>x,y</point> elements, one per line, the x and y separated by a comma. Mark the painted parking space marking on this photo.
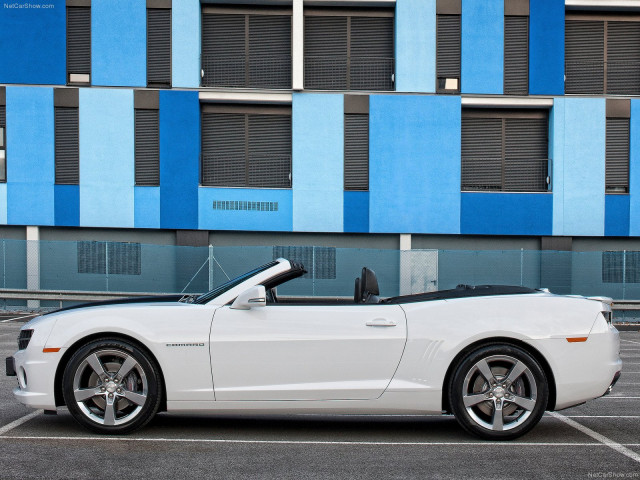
<point>598,436</point>
<point>18,422</point>
<point>629,341</point>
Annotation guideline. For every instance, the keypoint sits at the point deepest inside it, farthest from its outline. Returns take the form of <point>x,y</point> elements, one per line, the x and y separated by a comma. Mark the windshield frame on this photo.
<point>234,282</point>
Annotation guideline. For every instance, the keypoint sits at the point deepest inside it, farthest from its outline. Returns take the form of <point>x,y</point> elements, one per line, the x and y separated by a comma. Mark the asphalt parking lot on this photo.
<point>600,439</point>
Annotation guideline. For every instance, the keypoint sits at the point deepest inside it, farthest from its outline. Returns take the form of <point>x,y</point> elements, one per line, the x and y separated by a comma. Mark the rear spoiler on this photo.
<point>607,300</point>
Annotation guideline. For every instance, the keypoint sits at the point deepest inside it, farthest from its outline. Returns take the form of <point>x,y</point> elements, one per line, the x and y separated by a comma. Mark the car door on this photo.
<point>306,352</point>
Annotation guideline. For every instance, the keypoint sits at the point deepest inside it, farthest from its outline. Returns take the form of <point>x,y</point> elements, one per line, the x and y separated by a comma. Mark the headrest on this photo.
<point>369,282</point>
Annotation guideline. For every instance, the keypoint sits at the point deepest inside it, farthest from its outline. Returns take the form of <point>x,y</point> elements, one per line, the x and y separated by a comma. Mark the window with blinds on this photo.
<point>67,146</point>
<point>602,54</point>
<point>78,45</point>
<point>349,50</point>
<point>3,144</point>
<point>159,47</point>
<point>246,147</point>
<point>356,151</point>
<point>620,267</point>
<point>448,53</point>
<point>113,258</point>
<point>147,147</point>
<point>505,150</point>
<point>617,156</point>
<point>516,55</point>
<point>249,48</point>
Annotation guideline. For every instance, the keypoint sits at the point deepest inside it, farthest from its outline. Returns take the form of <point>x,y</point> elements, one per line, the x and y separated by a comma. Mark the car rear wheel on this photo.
<point>498,392</point>
<point>110,386</point>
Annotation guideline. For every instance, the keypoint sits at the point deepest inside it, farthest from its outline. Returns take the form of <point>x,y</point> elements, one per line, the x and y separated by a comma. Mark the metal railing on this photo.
<point>254,171</point>
<point>506,175</point>
<point>342,72</point>
<point>246,71</point>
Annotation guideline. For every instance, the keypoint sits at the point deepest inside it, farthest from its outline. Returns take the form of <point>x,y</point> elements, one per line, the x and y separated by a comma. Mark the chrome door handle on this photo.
<point>381,322</point>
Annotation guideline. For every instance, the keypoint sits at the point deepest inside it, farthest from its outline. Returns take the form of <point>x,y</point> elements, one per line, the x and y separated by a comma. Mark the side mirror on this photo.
<point>254,297</point>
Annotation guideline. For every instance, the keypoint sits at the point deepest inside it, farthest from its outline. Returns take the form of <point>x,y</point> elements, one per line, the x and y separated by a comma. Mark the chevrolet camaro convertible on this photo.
<point>496,357</point>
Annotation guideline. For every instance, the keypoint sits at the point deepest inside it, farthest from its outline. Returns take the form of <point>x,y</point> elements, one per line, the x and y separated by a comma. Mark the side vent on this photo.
<point>247,206</point>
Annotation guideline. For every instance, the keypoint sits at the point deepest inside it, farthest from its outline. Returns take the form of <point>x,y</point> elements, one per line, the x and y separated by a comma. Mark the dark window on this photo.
<point>113,258</point>
<point>320,262</point>
<point>617,155</point>
<point>67,146</point>
<point>348,50</point>
<point>505,150</point>
<point>356,151</point>
<point>159,47</point>
<point>448,53</point>
<point>246,147</point>
<point>3,144</point>
<point>79,45</point>
<point>620,267</point>
<point>516,55</point>
<point>602,54</point>
<point>246,48</point>
<point>147,149</point>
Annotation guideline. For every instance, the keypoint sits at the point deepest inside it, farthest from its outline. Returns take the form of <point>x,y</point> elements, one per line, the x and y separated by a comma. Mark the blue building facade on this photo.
<point>415,175</point>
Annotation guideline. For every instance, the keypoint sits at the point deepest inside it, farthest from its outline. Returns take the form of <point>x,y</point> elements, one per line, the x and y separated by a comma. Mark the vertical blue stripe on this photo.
<point>616,215</point>
<point>482,54</point>
<point>30,156</point>
<point>179,159</point>
<point>556,154</point>
<point>185,43</point>
<point>546,47</point>
<point>415,45</point>
<point>318,162</point>
<point>119,42</point>
<point>147,207</point>
<point>3,203</point>
<point>33,42</point>
<point>106,158</point>
<point>356,212</point>
<point>414,164</point>
<point>634,169</point>
<point>581,182</point>
<point>67,210</point>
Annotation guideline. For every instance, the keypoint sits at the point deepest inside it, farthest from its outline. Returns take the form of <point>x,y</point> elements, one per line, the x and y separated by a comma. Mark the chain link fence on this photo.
<point>133,268</point>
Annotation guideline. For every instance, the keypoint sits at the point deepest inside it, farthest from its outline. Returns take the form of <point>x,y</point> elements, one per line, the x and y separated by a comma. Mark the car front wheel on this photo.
<point>498,392</point>
<point>111,386</point>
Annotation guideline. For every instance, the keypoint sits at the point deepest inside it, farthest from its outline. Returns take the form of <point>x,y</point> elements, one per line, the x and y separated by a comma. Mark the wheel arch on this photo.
<point>485,342</point>
<point>59,398</point>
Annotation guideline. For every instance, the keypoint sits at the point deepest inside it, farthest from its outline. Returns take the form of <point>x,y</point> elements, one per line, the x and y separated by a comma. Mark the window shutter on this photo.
<point>526,152</point>
<point>3,116</point>
<point>78,43</point>
<point>159,46</point>
<point>223,50</point>
<point>356,152</point>
<point>617,155</point>
<point>3,145</point>
<point>270,51</point>
<point>584,56</point>
<point>481,153</point>
<point>448,51</point>
<point>320,262</point>
<point>124,258</point>
<point>371,53</point>
<point>92,257</point>
<point>147,149</point>
<point>269,151</point>
<point>325,53</point>
<point>516,55</point>
<point>223,149</point>
<point>623,58</point>
<point>67,150</point>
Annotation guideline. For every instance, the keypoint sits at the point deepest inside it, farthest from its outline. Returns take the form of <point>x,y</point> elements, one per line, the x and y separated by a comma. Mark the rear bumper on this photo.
<point>616,377</point>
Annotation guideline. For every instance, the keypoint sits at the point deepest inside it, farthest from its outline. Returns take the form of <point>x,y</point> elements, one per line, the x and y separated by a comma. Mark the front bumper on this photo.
<point>35,372</point>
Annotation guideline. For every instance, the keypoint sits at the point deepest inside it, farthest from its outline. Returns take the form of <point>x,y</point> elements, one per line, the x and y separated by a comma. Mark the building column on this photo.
<point>556,264</point>
<point>33,263</point>
<point>405,264</point>
<point>297,46</point>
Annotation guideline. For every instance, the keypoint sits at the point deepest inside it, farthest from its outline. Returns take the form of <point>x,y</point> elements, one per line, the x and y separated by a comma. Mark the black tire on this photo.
<point>520,398</point>
<point>101,396</point>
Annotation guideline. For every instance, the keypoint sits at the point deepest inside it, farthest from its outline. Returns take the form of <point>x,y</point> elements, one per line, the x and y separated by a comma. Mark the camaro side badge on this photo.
<point>185,344</point>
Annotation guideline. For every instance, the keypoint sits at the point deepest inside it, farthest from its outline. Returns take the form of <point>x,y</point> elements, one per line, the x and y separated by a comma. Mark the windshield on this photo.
<point>205,297</point>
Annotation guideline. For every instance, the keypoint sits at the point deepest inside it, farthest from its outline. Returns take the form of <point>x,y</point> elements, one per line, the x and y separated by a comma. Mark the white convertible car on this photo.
<point>496,357</point>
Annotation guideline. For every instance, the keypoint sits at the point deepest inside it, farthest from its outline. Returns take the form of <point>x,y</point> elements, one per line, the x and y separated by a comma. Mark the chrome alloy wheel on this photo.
<point>110,387</point>
<point>499,392</point>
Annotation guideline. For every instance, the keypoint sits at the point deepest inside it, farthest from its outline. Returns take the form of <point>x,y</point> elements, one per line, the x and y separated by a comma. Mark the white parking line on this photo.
<point>311,442</point>
<point>18,422</point>
<point>597,436</point>
<point>630,341</point>
<point>602,416</point>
